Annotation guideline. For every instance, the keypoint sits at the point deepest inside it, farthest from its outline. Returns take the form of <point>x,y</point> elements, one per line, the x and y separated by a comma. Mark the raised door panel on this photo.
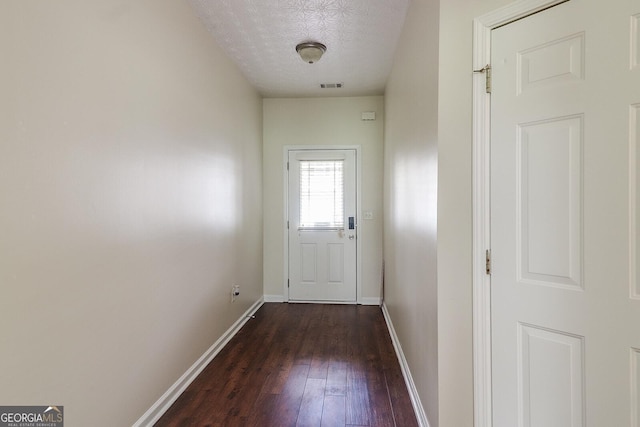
<point>634,200</point>
<point>335,266</point>
<point>635,41</point>
<point>309,263</point>
<point>550,202</point>
<point>552,63</point>
<point>635,387</point>
<point>551,378</point>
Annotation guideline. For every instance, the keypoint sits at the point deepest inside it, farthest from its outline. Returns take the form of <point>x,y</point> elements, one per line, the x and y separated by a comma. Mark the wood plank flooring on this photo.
<point>301,365</point>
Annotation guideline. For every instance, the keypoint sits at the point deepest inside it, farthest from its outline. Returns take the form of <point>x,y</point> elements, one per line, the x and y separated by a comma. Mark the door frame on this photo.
<point>285,154</point>
<point>481,176</point>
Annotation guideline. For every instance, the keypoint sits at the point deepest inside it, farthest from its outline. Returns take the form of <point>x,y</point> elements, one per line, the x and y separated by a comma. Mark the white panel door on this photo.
<point>564,209</point>
<point>322,225</point>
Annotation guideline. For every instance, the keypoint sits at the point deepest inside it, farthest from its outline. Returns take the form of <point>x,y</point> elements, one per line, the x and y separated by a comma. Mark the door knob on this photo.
<point>351,237</point>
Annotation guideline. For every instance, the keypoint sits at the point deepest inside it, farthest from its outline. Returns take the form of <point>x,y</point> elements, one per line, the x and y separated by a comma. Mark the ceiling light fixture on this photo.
<point>311,51</point>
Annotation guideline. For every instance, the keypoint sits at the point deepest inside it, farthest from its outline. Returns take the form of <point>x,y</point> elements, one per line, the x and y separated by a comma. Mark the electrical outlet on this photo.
<point>235,292</point>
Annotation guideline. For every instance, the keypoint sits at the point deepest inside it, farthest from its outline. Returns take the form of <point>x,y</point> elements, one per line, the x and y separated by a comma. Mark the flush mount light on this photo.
<point>311,51</point>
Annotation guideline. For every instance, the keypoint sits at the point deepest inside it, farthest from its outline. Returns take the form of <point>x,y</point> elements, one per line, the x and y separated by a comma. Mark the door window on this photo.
<point>321,194</point>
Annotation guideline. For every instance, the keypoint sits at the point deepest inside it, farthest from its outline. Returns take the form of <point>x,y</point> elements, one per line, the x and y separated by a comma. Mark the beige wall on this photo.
<point>455,209</point>
<point>323,121</point>
<point>411,168</point>
<point>130,194</point>
<point>445,379</point>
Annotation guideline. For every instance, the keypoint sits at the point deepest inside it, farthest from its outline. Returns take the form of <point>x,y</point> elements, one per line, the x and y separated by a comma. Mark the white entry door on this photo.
<point>565,111</point>
<point>322,225</point>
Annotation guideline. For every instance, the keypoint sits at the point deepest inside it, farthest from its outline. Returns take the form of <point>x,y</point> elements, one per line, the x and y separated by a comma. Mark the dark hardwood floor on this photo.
<point>301,365</point>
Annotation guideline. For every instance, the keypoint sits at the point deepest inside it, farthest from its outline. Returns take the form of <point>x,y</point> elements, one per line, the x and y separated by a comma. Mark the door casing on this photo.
<point>481,140</point>
<point>285,236</point>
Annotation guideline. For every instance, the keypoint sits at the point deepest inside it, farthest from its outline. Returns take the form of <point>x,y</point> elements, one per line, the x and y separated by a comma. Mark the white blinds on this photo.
<point>321,194</point>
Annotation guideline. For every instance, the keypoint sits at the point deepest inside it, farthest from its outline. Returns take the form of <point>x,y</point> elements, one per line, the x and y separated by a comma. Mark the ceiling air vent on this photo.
<point>330,85</point>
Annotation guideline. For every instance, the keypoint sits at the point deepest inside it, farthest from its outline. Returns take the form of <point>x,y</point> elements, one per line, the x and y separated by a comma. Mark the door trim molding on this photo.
<point>482,27</point>
<point>285,159</point>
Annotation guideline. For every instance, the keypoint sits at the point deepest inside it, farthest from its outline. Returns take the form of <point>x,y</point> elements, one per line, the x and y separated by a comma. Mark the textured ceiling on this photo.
<point>261,35</point>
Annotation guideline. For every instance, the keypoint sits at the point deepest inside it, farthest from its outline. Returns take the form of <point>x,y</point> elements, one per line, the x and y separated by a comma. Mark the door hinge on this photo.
<point>287,283</point>
<point>287,225</point>
<point>488,261</point>
<point>486,70</point>
<point>287,165</point>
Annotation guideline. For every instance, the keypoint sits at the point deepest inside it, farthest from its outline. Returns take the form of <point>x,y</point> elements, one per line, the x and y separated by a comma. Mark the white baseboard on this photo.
<point>421,415</point>
<point>274,298</point>
<point>362,301</point>
<point>370,301</point>
<point>312,301</point>
<point>170,396</point>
